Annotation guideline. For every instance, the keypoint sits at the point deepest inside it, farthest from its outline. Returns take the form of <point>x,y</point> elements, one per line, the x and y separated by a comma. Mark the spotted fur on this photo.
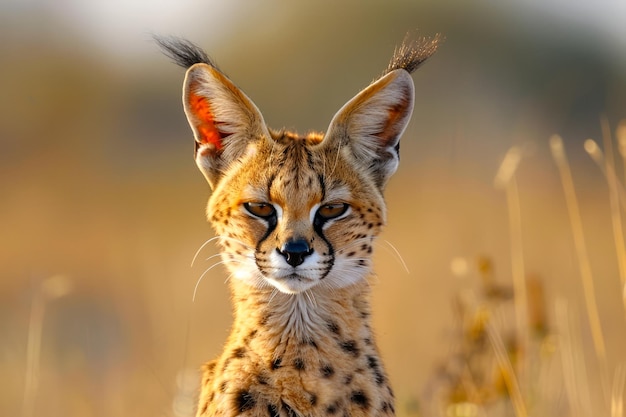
<point>297,217</point>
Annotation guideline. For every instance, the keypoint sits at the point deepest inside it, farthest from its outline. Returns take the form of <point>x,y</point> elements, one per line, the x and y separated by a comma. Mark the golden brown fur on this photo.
<point>297,217</point>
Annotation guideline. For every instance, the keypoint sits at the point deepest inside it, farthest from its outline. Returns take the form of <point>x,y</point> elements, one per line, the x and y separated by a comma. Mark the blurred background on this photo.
<point>102,207</point>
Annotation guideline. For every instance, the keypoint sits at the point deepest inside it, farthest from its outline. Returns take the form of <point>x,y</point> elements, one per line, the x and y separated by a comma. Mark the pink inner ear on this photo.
<point>206,127</point>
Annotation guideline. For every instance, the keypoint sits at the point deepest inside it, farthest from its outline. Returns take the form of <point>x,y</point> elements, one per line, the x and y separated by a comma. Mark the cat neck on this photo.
<point>318,316</point>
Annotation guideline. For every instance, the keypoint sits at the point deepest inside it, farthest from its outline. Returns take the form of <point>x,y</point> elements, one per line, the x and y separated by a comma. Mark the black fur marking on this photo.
<point>318,226</point>
<point>262,379</point>
<point>372,362</point>
<point>327,371</point>
<point>298,363</point>
<point>350,347</point>
<point>379,377</point>
<point>272,410</point>
<point>333,327</point>
<point>240,352</point>
<point>271,221</point>
<point>289,410</point>
<point>276,363</point>
<point>271,225</point>
<point>250,336</point>
<point>332,408</point>
<point>182,51</point>
<point>244,401</point>
<point>320,178</point>
<point>264,319</point>
<point>359,398</point>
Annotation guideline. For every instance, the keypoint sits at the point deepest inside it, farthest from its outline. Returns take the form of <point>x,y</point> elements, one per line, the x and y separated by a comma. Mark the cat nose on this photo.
<point>295,250</point>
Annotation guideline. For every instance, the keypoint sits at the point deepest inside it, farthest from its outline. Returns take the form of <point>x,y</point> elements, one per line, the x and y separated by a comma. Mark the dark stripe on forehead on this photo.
<point>309,158</point>
<point>270,181</point>
<point>294,160</point>
<point>295,183</point>
<point>320,178</point>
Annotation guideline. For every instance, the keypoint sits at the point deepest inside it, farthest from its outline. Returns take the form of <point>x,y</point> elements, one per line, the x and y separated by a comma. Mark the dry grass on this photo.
<point>506,358</point>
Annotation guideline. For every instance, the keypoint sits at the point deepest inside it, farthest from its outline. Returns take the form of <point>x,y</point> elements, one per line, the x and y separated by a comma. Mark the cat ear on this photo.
<point>370,124</point>
<point>223,119</point>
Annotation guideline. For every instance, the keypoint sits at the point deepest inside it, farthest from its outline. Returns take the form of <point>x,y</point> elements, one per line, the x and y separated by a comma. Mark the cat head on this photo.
<point>292,211</point>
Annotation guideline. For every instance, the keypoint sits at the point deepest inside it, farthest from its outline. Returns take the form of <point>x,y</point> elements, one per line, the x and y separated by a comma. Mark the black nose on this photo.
<point>295,251</point>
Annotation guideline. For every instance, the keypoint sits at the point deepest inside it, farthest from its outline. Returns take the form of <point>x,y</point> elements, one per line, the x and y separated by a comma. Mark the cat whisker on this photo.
<point>398,255</point>
<point>195,256</point>
<point>202,247</point>
<point>225,262</point>
<point>195,289</point>
<point>213,256</point>
<point>228,278</point>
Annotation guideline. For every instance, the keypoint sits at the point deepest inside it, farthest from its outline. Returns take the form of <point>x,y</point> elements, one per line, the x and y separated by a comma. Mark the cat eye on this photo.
<point>331,211</point>
<point>263,210</point>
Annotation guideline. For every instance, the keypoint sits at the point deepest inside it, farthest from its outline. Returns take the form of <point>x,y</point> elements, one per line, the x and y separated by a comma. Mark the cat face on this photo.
<point>293,212</point>
<point>303,216</point>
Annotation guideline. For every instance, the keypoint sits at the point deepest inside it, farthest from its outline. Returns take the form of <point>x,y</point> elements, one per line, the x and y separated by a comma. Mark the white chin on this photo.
<point>294,285</point>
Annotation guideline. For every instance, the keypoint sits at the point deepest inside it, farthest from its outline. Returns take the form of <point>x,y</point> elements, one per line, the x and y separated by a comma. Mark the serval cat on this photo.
<point>296,218</point>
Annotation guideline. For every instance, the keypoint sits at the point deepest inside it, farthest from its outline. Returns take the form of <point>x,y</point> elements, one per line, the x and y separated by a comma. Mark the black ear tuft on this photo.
<point>182,51</point>
<point>412,53</point>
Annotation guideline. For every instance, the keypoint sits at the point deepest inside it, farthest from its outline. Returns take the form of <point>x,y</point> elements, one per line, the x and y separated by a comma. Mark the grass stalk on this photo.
<point>573,363</point>
<point>520,298</point>
<point>616,212</point>
<point>615,189</point>
<point>506,178</point>
<point>594,151</point>
<point>558,153</point>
